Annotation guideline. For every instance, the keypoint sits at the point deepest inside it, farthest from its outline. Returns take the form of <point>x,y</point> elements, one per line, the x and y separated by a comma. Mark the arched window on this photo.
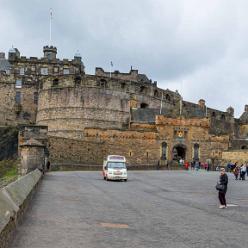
<point>213,114</point>
<point>223,117</point>
<point>164,150</point>
<point>144,105</point>
<point>196,151</point>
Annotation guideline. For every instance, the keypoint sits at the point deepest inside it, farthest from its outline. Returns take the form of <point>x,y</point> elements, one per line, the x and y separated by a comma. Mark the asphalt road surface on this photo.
<point>153,209</point>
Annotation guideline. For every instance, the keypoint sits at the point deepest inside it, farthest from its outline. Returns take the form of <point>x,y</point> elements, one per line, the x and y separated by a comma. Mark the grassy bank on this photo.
<point>8,171</point>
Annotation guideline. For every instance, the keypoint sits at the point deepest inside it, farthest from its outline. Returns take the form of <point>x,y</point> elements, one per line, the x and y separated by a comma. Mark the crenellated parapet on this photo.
<point>162,120</point>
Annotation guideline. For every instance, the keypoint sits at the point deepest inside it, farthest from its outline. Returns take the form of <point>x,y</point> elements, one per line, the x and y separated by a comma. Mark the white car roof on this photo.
<point>116,158</point>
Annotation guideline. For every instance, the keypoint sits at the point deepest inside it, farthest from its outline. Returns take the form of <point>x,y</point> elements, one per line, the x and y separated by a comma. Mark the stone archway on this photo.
<point>179,152</point>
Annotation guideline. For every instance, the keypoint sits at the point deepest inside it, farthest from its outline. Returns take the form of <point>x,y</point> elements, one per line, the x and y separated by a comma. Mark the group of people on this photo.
<point>239,171</point>
<point>194,165</point>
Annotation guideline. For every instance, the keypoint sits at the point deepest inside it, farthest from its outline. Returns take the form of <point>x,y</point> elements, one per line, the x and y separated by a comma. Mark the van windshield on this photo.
<point>116,165</point>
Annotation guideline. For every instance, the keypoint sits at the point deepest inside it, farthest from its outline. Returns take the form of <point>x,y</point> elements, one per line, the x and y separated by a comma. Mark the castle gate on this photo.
<point>179,152</point>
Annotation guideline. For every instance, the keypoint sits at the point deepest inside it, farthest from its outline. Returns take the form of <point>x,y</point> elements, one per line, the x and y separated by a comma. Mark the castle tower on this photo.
<point>50,52</point>
<point>13,54</point>
<point>230,111</point>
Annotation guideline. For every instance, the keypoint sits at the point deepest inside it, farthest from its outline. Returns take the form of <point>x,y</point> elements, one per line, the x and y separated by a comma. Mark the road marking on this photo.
<point>232,205</point>
<point>114,225</point>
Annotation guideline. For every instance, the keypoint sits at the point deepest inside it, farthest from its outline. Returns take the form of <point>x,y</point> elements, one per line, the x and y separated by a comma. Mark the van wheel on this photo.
<point>104,178</point>
<point>125,180</point>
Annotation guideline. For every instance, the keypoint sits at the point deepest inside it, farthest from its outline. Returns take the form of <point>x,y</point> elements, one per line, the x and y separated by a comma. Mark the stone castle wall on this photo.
<point>70,106</point>
<point>13,111</point>
<point>91,116</point>
<point>240,156</point>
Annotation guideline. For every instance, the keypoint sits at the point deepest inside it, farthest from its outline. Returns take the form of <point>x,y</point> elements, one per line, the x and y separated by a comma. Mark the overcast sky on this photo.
<point>199,47</point>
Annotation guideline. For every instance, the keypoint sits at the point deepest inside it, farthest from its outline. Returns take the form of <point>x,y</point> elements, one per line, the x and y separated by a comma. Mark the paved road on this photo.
<point>153,209</point>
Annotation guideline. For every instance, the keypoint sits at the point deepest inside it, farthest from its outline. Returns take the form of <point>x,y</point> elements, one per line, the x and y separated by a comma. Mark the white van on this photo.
<point>114,168</point>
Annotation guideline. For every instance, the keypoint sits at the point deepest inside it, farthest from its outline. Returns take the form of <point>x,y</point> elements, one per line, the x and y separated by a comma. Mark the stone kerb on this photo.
<point>14,199</point>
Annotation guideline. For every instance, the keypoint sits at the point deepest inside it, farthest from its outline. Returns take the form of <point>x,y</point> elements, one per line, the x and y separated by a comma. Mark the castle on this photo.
<point>90,116</point>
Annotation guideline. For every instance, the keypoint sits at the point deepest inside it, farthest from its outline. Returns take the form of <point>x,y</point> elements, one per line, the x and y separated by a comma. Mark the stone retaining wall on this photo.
<point>14,199</point>
<point>240,156</point>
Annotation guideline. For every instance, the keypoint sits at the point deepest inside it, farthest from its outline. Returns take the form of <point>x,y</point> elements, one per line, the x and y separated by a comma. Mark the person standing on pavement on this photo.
<point>223,181</point>
<point>242,172</point>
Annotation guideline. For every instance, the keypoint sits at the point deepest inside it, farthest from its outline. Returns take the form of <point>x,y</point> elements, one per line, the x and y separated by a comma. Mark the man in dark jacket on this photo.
<point>222,192</point>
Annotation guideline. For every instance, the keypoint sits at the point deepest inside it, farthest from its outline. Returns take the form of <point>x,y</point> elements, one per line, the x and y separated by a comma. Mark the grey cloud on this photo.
<point>202,43</point>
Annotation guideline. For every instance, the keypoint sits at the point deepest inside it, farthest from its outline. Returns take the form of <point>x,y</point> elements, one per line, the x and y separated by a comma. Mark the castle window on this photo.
<point>130,154</point>
<point>77,80</point>
<point>164,150</point>
<point>36,96</point>
<point>223,117</point>
<point>22,71</point>
<point>147,154</point>
<point>66,71</point>
<point>213,114</point>
<point>123,85</point>
<point>18,83</point>
<point>103,83</point>
<point>55,82</point>
<point>155,93</point>
<point>243,147</point>
<point>18,97</point>
<point>196,152</point>
<point>144,105</point>
<point>44,71</point>
<point>167,97</point>
<point>142,89</point>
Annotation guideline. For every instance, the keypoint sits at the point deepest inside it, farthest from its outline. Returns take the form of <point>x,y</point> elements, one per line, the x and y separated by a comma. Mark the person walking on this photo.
<point>236,172</point>
<point>222,188</point>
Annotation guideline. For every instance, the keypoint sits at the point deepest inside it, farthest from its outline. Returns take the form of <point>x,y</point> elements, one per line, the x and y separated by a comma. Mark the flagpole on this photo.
<point>161,103</point>
<point>50,36</point>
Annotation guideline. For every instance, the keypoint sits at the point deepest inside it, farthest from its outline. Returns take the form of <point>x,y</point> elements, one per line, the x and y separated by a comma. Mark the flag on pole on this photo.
<point>111,63</point>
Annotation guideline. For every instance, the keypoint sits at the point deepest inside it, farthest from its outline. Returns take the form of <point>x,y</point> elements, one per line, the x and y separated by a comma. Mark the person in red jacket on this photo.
<point>186,165</point>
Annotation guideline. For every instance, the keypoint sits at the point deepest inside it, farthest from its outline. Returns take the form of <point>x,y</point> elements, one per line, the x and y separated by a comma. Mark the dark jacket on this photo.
<point>224,181</point>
